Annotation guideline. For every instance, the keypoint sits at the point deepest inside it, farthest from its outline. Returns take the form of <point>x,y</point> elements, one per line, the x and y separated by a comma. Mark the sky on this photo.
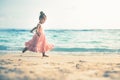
<point>61,14</point>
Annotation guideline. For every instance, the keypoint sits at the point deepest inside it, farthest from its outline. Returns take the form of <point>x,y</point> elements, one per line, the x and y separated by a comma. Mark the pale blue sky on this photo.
<point>65,14</point>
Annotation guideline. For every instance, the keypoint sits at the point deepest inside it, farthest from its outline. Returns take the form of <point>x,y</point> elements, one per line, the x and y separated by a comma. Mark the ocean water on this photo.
<point>87,40</point>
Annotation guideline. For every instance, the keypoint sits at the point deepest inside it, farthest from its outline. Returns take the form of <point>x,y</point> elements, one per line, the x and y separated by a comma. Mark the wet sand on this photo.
<point>32,66</point>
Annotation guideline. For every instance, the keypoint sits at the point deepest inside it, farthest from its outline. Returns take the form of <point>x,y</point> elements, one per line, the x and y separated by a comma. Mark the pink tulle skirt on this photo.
<point>38,44</point>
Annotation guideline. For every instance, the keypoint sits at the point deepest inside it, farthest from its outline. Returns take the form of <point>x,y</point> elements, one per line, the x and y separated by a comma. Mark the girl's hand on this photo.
<point>31,31</point>
<point>38,34</point>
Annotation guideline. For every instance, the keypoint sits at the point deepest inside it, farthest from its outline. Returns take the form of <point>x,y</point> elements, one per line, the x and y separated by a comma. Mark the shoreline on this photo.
<point>61,52</point>
<point>32,66</point>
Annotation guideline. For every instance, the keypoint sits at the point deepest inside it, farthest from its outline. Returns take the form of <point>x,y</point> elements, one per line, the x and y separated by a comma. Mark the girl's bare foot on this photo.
<point>45,56</point>
<point>25,49</point>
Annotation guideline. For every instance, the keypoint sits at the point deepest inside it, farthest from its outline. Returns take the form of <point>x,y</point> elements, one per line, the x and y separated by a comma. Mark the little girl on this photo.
<point>38,43</point>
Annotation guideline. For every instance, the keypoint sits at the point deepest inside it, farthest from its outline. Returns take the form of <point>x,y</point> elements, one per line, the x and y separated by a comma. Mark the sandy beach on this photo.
<point>32,66</point>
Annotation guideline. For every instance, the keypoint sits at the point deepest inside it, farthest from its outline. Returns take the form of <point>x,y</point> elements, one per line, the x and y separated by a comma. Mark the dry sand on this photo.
<point>31,66</point>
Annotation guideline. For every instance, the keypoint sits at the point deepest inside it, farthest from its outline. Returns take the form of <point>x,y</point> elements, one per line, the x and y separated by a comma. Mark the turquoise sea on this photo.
<point>87,40</point>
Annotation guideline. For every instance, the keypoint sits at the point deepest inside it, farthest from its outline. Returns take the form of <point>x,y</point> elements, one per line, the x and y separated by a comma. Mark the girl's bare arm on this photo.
<point>37,32</point>
<point>33,29</point>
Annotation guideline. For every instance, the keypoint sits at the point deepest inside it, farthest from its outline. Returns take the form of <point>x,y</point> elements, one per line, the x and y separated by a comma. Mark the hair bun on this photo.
<point>42,13</point>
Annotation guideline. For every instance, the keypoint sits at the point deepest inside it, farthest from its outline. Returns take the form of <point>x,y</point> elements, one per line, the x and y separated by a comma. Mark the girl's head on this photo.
<point>42,17</point>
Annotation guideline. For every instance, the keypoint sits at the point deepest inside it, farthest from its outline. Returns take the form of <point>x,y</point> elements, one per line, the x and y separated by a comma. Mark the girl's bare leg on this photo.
<point>43,54</point>
<point>24,50</point>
